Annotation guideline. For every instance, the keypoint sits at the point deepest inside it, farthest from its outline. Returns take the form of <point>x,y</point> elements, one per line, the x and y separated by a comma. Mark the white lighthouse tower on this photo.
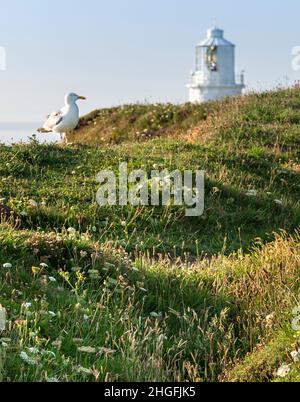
<point>215,77</point>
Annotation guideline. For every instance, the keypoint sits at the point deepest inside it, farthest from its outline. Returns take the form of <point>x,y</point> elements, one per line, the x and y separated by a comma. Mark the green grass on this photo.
<point>152,294</point>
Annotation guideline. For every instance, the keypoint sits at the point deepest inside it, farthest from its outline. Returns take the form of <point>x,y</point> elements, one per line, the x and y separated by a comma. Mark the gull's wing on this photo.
<point>53,120</point>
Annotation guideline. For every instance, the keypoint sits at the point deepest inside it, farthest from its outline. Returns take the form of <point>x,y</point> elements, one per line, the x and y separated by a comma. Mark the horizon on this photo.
<point>121,53</point>
<point>29,123</point>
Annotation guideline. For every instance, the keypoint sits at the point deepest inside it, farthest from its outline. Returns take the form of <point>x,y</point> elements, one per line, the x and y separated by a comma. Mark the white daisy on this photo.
<point>283,371</point>
<point>296,356</point>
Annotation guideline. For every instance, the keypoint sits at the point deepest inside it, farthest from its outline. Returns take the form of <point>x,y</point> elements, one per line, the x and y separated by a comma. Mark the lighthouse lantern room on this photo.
<point>214,77</point>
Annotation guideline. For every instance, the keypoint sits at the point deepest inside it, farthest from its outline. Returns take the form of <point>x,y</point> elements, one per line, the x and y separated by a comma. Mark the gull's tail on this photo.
<point>43,130</point>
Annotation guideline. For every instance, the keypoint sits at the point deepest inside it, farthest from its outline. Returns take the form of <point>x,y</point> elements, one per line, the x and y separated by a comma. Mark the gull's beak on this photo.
<point>82,97</point>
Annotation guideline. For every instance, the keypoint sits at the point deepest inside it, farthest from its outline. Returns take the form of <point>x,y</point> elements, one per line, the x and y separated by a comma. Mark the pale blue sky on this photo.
<point>120,51</point>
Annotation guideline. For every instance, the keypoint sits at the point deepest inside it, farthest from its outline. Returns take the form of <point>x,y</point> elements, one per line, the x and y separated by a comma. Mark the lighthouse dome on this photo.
<point>215,37</point>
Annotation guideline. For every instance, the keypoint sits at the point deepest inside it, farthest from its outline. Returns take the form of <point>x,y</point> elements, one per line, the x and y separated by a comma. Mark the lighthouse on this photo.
<point>214,77</point>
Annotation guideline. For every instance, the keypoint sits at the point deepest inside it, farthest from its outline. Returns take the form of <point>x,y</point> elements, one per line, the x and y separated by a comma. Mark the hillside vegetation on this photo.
<point>145,293</point>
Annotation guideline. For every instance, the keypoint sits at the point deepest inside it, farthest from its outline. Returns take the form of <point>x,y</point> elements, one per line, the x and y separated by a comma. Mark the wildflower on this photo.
<point>29,360</point>
<point>215,190</point>
<point>83,370</point>
<point>270,320</point>
<point>87,349</point>
<point>109,265</point>
<point>7,265</point>
<point>94,276</point>
<point>155,315</point>
<point>71,230</point>
<point>112,281</point>
<point>77,340</point>
<point>296,356</point>
<point>278,202</point>
<point>24,356</point>
<point>2,318</point>
<point>36,270</point>
<point>251,193</point>
<point>33,351</point>
<point>52,314</point>
<point>83,254</point>
<point>57,344</point>
<point>21,323</point>
<point>6,340</point>
<point>52,279</point>
<point>33,203</point>
<point>52,379</point>
<point>93,272</point>
<point>283,371</point>
<point>26,305</point>
<point>43,265</point>
<point>107,351</point>
<point>135,269</point>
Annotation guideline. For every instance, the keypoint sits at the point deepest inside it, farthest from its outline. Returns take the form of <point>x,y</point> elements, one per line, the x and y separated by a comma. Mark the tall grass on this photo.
<point>110,318</point>
<point>147,294</point>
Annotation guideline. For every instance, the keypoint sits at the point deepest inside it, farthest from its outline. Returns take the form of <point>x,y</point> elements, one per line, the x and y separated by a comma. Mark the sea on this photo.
<point>11,133</point>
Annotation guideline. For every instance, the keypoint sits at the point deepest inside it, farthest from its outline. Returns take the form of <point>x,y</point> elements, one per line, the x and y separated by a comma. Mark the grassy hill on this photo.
<point>147,293</point>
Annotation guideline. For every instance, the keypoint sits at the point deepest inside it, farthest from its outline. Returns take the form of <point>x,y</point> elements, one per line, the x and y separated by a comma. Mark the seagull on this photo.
<point>65,120</point>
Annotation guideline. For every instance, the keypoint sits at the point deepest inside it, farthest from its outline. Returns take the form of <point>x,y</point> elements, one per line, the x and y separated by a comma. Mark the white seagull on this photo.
<point>65,120</point>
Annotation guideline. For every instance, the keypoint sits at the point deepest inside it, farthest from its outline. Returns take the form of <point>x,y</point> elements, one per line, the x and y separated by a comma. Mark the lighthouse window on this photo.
<point>212,58</point>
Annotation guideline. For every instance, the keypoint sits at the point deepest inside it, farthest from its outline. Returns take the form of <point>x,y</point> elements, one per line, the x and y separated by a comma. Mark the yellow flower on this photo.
<point>36,270</point>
